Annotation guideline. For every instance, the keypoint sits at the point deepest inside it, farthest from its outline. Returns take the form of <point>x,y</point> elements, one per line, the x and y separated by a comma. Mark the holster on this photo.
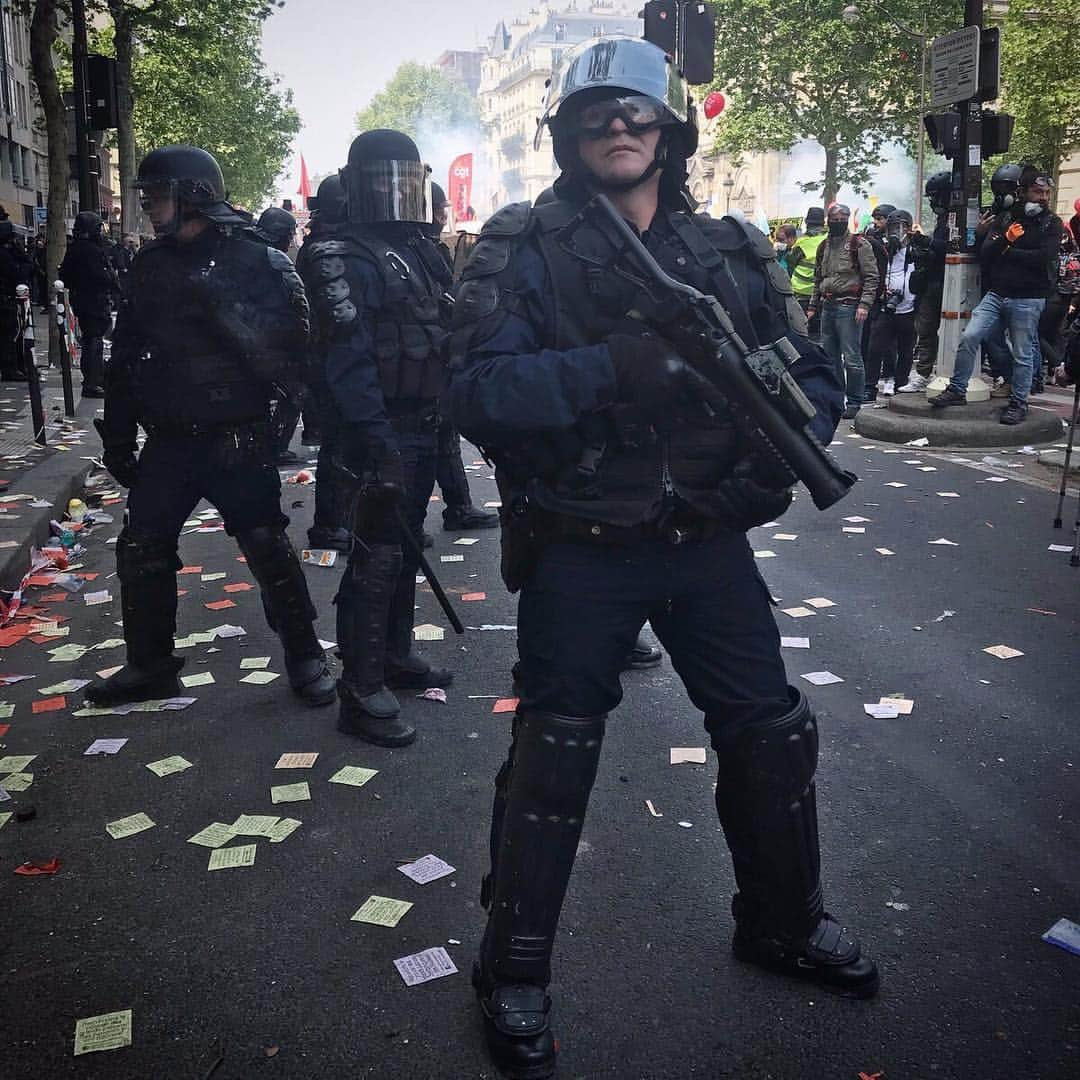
<point>520,547</point>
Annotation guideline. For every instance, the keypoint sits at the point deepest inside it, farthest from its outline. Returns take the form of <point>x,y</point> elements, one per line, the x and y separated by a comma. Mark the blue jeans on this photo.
<point>993,313</point>
<point>841,338</point>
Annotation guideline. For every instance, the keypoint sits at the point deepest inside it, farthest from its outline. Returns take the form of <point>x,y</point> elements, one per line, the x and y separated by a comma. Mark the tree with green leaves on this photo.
<point>796,69</point>
<point>419,95</point>
<point>1039,83</point>
<point>192,71</point>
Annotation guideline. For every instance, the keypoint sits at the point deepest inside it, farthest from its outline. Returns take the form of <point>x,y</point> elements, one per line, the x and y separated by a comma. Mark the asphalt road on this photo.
<point>949,836</point>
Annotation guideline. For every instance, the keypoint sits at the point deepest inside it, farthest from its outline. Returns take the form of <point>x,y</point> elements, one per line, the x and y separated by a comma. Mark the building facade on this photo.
<point>518,63</point>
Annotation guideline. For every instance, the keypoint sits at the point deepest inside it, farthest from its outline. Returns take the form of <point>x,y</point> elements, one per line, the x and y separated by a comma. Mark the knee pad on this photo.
<point>268,551</point>
<point>783,749</point>
<point>142,555</point>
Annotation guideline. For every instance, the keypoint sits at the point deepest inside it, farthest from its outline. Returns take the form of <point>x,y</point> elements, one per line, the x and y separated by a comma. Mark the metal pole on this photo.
<point>26,346</point>
<point>1068,456</point>
<point>920,164</point>
<point>60,306</point>
<point>87,187</point>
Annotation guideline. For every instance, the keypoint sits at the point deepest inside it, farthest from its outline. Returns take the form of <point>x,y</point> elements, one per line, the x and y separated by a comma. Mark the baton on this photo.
<point>433,581</point>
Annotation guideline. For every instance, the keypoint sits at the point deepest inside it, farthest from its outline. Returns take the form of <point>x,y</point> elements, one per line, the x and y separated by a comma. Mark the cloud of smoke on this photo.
<point>439,145</point>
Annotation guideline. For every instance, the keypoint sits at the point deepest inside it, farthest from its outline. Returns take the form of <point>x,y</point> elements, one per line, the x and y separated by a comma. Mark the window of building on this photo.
<point>5,160</point>
<point>560,31</point>
<point>28,217</point>
<point>29,179</point>
<point>16,164</point>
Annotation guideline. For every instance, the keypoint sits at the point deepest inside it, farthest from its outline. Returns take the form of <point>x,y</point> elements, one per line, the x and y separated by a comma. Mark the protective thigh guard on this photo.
<point>766,801</point>
<point>146,566</point>
<point>545,793</point>
<point>288,606</point>
<point>363,613</point>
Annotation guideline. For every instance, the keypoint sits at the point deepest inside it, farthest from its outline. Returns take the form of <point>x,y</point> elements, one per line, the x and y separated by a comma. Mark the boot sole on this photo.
<point>155,691</point>
<point>390,743</point>
<point>866,989</point>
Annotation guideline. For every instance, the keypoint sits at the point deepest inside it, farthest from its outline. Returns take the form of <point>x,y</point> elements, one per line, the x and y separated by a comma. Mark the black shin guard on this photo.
<point>288,607</point>
<point>542,798</point>
<point>363,615</point>
<point>146,566</point>
<point>766,801</point>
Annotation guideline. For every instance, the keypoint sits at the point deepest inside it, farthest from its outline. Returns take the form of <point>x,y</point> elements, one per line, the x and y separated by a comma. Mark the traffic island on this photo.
<point>976,424</point>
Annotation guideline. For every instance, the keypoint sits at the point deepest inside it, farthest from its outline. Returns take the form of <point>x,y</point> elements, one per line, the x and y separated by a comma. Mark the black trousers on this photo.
<point>450,469</point>
<point>892,342</point>
<point>927,326</point>
<point>93,327</point>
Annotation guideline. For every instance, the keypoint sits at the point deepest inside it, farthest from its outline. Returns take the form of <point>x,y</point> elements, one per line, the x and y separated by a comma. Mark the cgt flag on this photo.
<point>459,191</point>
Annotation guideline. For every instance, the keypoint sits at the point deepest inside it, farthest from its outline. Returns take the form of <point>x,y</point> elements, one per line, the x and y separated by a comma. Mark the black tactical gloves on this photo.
<point>118,456</point>
<point>756,492</point>
<point>650,374</point>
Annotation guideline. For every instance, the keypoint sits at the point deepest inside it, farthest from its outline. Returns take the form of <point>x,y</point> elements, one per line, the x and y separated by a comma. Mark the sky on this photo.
<point>335,55</point>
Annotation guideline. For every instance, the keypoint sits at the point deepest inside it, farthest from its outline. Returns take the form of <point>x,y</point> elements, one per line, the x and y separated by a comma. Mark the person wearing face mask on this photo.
<point>1018,253</point>
<point>846,285</point>
<point>800,266</point>
<point>625,501</point>
<point>786,235</point>
<point>892,337</point>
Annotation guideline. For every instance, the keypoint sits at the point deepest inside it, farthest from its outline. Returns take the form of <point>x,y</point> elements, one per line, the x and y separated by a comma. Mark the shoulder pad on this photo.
<point>754,236</point>
<point>279,261</point>
<point>511,220</point>
<point>317,248</point>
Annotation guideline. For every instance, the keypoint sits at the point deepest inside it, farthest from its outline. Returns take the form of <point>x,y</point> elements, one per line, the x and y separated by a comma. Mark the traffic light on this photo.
<point>944,132</point>
<point>694,53</point>
<point>101,96</point>
<point>997,129</point>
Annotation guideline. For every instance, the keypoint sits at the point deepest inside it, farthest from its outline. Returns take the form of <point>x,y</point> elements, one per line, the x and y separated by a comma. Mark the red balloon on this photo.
<point>714,104</point>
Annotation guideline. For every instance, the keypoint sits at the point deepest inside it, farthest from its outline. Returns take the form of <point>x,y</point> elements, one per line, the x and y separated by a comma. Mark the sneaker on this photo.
<point>881,384</point>
<point>1014,413</point>
<point>915,385</point>
<point>1001,389</point>
<point>889,388</point>
<point>948,396</point>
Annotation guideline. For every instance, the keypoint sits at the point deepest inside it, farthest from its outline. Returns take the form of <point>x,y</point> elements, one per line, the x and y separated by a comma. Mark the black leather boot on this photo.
<point>368,709</point>
<point>146,566</point>
<point>541,795</point>
<point>765,797</point>
<point>405,669</point>
<point>643,655</point>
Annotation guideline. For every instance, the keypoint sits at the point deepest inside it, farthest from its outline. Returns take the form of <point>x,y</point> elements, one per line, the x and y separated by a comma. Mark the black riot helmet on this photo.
<point>1005,184</point>
<point>87,226</point>
<point>603,78</point>
<point>277,227</point>
<point>329,201</point>
<point>939,191</point>
<point>191,178</point>
<point>385,180</point>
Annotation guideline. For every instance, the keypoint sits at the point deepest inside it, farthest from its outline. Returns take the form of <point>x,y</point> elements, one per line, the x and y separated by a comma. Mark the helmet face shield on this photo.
<point>630,65</point>
<point>380,191</point>
<point>638,112</point>
<point>159,203</point>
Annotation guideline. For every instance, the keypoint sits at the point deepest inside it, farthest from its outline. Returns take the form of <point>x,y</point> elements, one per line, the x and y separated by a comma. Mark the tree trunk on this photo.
<point>831,188</point>
<point>125,130</point>
<point>44,30</point>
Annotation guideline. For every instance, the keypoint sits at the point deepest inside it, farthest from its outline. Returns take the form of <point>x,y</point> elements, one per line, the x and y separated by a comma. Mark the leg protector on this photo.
<point>146,566</point>
<point>288,606</point>
<point>766,801</point>
<point>363,612</point>
<point>544,795</point>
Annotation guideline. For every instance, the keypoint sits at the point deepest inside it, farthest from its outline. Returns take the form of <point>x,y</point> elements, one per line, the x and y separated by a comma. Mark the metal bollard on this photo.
<point>25,343</point>
<point>61,307</point>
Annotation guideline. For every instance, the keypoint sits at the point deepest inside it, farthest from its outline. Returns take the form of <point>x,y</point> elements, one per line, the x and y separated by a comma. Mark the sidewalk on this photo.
<point>51,474</point>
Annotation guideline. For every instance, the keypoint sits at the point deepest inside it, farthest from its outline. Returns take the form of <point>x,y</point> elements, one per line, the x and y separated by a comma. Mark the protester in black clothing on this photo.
<point>91,283</point>
<point>13,273</point>
<point>211,322</point>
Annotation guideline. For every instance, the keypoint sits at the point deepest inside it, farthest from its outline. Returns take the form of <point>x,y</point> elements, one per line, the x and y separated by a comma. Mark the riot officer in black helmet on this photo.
<point>91,279</point>
<point>276,227</point>
<point>380,279</point>
<point>625,501</point>
<point>333,492</point>
<point>212,321</point>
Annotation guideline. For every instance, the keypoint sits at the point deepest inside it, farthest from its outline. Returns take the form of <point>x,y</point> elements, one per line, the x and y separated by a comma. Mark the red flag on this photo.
<point>304,190</point>
<point>459,191</point>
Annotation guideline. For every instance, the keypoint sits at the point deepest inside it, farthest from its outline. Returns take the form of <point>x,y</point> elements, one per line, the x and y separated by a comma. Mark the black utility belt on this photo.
<point>239,429</point>
<point>414,419</point>
<point>552,528</point>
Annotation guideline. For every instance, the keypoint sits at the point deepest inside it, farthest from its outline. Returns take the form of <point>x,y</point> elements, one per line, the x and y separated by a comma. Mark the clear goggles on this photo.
<point>638,112</point>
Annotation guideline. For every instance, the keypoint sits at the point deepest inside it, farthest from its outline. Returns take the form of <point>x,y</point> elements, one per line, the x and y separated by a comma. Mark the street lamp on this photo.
<point>851,15</point>
<point>728,184</point>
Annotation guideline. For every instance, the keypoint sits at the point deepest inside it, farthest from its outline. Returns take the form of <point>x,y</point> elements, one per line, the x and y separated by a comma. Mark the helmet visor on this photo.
<point>159,206</point>
<point>388,191</point>
<point>638,112</point>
